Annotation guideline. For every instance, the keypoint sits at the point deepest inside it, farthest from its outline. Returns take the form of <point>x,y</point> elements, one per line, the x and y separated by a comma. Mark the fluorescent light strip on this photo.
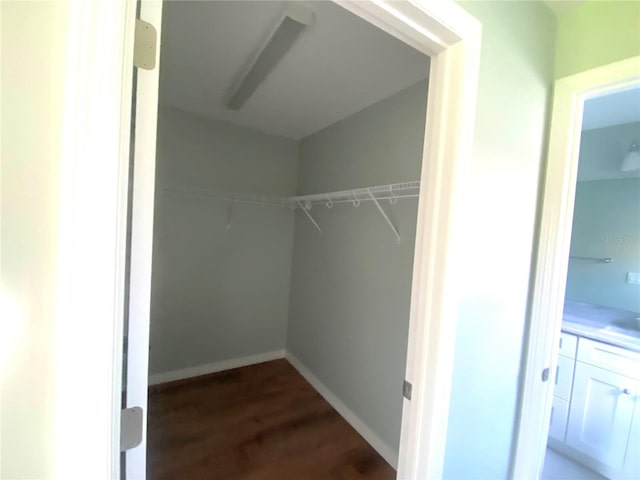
<point>295,20</point>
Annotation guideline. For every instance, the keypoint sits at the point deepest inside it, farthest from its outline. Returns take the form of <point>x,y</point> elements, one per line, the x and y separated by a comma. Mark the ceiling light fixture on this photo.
<point>294,20</point>
<point>631,160</point>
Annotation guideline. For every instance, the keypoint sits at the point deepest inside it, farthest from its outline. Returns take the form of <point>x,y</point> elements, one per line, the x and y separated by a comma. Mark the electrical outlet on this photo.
<point>633,278</point>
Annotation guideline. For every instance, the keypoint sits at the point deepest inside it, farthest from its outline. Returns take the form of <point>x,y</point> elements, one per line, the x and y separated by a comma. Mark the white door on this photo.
<point>141,234</point>
<point>601,412</point>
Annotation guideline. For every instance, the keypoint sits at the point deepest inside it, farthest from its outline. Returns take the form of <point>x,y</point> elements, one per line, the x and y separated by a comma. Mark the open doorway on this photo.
<point>593,426</point>
<point>284,232</point>
<point>585,343</point>
<point>450,37</point>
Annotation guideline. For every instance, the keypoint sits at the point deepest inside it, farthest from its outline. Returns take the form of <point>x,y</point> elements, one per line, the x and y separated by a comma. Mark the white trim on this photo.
<point>553,253</point>
<point>380,446</point>
<point>198,370</point>
<point>141,246</point>
<point>92,225</point>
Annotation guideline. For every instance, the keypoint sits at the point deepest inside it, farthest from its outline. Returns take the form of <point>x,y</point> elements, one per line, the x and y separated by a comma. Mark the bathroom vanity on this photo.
<point>595,417</point>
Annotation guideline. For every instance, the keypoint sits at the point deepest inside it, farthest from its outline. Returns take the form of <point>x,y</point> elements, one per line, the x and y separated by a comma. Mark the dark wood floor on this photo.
<point>260,422</point>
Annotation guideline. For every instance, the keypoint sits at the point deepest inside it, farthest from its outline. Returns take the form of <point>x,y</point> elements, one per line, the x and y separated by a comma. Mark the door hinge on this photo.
<point>406,390</point>
<point>130,428</point>
<point>144,49</point>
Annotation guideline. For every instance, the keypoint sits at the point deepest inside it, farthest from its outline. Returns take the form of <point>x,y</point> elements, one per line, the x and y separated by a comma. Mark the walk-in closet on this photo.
<point>289,152</point>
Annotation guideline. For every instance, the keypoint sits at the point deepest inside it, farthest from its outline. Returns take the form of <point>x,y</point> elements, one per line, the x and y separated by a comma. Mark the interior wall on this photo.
<point>602,151</point>
<point>351,285</point>
<point>33,53</point>
<point>606,220</point>
<point>606,223</point>
<point>217,293</point>
<point>499,216</point>
<point>596,33</point>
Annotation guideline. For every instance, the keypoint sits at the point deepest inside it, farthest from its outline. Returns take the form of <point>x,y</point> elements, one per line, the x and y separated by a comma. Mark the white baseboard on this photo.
<point>214,367</point>
<point>385,451</point>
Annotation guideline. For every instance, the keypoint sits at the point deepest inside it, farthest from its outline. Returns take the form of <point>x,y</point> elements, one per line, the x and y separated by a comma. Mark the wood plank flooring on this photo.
<point>262,422</point>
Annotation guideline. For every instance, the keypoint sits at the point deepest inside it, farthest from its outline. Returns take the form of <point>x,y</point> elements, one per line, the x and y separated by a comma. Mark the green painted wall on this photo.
<point>499,215</point>
<point>33,55</point>
<point>596,33</point>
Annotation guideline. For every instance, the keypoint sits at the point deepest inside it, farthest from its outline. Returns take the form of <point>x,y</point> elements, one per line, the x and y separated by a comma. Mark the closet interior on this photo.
<point>289,151</point>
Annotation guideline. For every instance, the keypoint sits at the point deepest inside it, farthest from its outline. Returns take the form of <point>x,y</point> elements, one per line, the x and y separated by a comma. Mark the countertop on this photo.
<point>609,325</point>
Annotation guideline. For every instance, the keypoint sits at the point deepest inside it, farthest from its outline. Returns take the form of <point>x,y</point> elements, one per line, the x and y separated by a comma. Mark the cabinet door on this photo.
<point>632,462</point>
<point>568,345</point>
<point>602,406</point>
<point>558,424</point>
<point>564,377</point>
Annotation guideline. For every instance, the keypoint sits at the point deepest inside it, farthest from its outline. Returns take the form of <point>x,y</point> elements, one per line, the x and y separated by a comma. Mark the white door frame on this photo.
<point>141,246</point>
<point>99,69</point>
<point>553,254</point>
<point>92,240</point>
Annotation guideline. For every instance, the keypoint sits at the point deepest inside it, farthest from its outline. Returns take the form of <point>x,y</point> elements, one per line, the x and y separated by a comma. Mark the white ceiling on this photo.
<point>338,66</point>
<point>612,109</point>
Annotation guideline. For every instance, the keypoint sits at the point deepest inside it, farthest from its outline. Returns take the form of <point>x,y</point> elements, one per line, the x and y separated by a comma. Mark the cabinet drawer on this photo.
<point>568,344</point>
<point>564,377</point>
<point>611,358</point>
<point>559,414</point>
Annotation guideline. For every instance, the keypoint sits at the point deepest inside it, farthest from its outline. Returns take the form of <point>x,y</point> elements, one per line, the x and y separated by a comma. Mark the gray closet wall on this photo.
<point>219,294</point>
<point>351,286</point>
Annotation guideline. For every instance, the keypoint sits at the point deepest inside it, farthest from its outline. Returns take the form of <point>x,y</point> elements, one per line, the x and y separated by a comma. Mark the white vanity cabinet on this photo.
<point>562,389</point>
<point>559,415</point>
<point>602,407</point>
<point>600,427</point>
<point>568,345</point>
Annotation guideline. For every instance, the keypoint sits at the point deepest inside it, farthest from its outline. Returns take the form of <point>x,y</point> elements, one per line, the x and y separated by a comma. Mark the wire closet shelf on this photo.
<point>390,193</point>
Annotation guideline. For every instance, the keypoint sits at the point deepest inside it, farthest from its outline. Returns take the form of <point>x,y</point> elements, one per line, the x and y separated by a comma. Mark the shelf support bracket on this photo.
<point>384,214</point>
<point>315,224</point>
